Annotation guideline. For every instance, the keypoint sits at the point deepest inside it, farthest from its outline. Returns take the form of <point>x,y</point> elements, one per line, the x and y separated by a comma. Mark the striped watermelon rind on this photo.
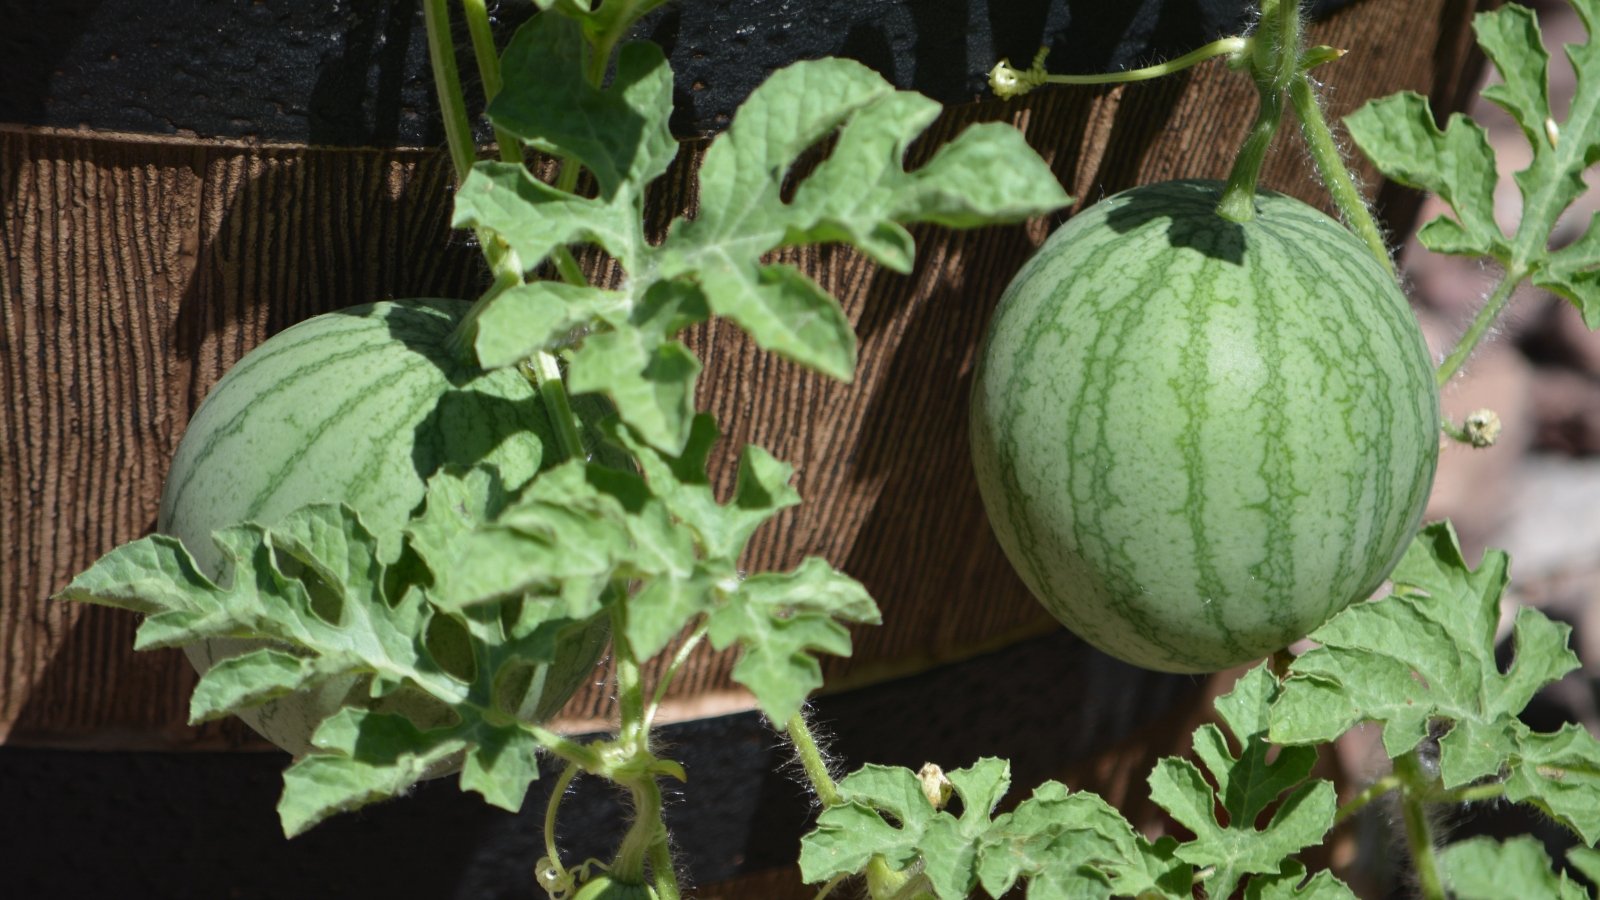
<point>1198,440</point>
<point>358,406</point>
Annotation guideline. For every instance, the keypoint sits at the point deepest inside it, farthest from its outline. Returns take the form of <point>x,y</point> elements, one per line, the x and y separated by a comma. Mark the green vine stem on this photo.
<point>828,888</point>
<point>483,50</point>
<point>1008,82</point>
<point>447,81</point>
<point>1274,64</point>
<point>1364,799</point>
<point>630,687</point>
<point>812,761</point>
<point>678,659</point>
<point>1335,174</point>
<point>1481,323</point>
<point>543,369</point>
<point>643,832</point>
<point>666,879</point>
<point>1414,789</point>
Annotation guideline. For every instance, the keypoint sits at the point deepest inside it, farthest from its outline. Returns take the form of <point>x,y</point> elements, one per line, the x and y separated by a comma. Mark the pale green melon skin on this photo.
<point>357,406</point>
<point>1197,441</point>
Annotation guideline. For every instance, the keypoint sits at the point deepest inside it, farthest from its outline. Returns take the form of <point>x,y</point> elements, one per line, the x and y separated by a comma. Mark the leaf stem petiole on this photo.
<point>1414,789</point>
<point>1362,800</point>
<point>812,761</point>
<point>1335,174</point>
<point>827,889</point>
<point>447,81</point>
<point>544,370</point>
<point>483,50</point>
<point>678,659</point>
<point>1481,323</point>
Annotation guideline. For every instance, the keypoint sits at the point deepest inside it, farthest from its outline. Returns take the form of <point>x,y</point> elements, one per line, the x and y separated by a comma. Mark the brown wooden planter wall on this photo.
<point>136,269</point>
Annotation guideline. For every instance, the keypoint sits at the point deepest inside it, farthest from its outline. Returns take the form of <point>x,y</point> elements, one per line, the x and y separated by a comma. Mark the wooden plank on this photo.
<point>135,271</point>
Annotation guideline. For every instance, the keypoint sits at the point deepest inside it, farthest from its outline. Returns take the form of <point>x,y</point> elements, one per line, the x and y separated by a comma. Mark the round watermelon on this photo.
<point>1197,440</point>
<point>358,406</point>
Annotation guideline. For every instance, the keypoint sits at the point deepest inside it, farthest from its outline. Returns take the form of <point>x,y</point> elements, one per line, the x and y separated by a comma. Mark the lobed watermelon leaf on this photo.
<point>1399,134</point>
<point>1482,868</point>
<point>1291,883</point>
<point>317,586</point>
<point>581,527</point>
<point>1246,785</point>
<point>1066,845</point>
<point>622,341</point>
<point>1423,660</point>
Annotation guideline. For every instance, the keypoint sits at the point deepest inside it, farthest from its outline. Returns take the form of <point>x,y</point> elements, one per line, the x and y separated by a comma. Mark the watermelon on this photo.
<point>358,406</point>
<point>1197,440</point>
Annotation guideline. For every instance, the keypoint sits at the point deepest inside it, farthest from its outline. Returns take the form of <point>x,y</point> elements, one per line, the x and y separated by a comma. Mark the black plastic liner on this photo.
<point>355,72</point>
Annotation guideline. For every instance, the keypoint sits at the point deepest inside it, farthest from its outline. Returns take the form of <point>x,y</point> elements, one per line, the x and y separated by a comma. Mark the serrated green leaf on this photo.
<point>950,846</point>
<point>1511,40</point>
<point>456,502</point>
<point>761,491</point>
<point>316,587</point>
<point>1249,784</point>
<point>1425,658</point>
<point>651,384</point>
<point>249,679</point>
<point>1427,652</point>
<point>850,833</point>
<point>1457,164</point>
<point>661,608</point>
<point>1559,772</point>
<point>784,311</point>
<point>500,765</point>
<point>533,218</point>
<point>1399,135</point>
<point>884,812</point>
<point>1291,884</point>
<point>568,535</point>
<point>780,621</point>
<point>378,756</point>
<point>1573,272</point>
<point>1481,868</point>
<point>618,131</point>
<point>1077,845</point>
<point>1246,786</point>
<point>860,194</point>
<point>539,316</point>
<point>150,575</point>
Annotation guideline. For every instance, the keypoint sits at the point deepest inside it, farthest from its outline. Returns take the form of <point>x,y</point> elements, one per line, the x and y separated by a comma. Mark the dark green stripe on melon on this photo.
<point>358,406</point>
<point>1197,440</point>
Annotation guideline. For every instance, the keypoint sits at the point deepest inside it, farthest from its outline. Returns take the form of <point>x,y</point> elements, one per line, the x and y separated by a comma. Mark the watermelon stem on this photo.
<point>812,761</point>
<point>1274,64</point>
<point>1414,787</point>
<point>1336,177</point>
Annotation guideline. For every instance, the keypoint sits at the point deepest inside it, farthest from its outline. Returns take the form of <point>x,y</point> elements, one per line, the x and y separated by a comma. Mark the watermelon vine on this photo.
<point>1204,423</point>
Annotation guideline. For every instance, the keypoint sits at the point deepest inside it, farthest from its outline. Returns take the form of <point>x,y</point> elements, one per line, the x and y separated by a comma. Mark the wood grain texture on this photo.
<point>136,271</point>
